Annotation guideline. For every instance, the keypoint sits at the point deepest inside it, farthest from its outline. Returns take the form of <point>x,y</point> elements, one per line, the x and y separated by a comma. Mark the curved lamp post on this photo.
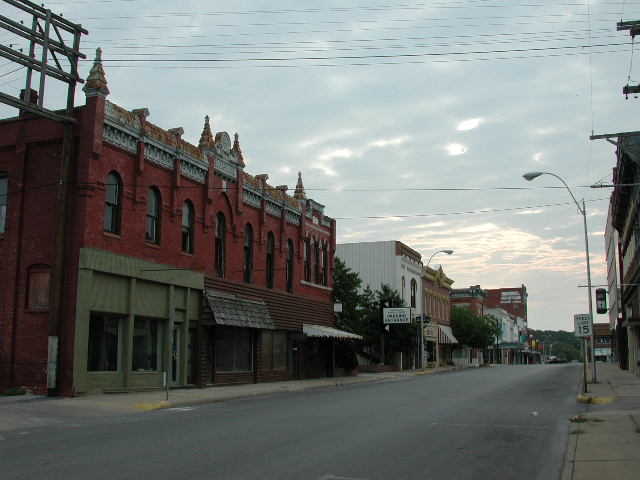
<point>532,175</point>
<point>448,252</point>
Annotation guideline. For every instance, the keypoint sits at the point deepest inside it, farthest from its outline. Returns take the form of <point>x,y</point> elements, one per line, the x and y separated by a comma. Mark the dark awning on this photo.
<point>233,311</point>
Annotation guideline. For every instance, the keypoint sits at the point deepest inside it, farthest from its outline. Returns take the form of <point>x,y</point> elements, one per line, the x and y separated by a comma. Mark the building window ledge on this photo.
<point>315,285</point>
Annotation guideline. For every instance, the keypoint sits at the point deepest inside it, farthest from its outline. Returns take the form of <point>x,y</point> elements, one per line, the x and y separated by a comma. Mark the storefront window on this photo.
<point>147,345</point>
<point>104,343</point>
<point>234,349</point>
<point>274,350</point>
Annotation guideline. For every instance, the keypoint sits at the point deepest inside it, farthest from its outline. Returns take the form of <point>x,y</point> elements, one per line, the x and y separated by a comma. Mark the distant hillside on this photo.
<point>564,345</point>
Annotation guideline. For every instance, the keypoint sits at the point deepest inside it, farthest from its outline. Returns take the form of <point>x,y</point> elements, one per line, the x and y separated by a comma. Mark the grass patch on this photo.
<point>637,430</point>
<point>578,419</point>
<point>577,432</point>
<point>10,392</point>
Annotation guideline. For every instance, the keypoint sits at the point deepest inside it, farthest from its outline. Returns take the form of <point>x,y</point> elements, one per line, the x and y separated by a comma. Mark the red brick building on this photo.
<point>513,300</point>
<point>178,265</point>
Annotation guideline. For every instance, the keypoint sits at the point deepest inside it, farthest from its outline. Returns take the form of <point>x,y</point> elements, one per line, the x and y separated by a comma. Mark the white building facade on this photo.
<point>389,263</point>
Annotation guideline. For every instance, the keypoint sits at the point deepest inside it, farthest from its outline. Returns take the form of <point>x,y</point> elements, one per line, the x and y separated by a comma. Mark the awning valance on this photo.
<point>327,332</point>
<point>233,311</point>
<point>446,335</point>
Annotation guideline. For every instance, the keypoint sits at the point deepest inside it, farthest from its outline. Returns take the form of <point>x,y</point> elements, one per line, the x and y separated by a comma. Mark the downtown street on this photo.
<point>490,423</point>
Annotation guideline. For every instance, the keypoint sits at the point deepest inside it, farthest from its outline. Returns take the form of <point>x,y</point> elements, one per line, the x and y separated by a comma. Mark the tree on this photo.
<point>346,284</point>
<point>493,330</point>
<point>566,346</point>
<point>472,330</point>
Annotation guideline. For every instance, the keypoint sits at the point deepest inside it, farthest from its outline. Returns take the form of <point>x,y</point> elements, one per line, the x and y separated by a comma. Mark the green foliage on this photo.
<point>472,330</point>
<point>346,283</point>
<point>566,346</point>
<point>493,329</point>
<point>362,314</point>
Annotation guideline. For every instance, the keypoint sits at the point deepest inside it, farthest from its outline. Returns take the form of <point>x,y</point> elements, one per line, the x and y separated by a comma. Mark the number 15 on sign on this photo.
<point>582,323</point>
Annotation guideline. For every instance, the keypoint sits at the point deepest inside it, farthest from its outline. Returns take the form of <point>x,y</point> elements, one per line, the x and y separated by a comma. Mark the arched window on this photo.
<point>113,203</point>
<point>316,263</point>
<point>271,259</point>
<point>4,190</point>
<point>221,244</point>
<point>325,264</point>
<point>403,288</point>
<point>248,254</point>
<point>289,269</point>
<point>188,230</point>
<point>154,207</point>
<point>414,291</point>
<point>39,283</point>
<point>307,259</point>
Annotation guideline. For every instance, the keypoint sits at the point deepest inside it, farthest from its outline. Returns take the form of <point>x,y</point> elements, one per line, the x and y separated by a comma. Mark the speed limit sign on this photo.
<point>582,323</point>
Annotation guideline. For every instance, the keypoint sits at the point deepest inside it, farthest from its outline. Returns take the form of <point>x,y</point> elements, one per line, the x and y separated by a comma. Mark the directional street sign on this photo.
<point>582,324</point>
<point>396,315</point>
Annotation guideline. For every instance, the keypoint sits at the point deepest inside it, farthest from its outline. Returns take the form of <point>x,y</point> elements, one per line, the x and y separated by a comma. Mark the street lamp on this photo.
<point>532,175</point>
<point>448,252</point>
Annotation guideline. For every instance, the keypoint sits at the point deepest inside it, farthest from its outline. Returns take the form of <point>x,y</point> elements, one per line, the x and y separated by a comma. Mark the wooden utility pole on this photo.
<point>46,37</point>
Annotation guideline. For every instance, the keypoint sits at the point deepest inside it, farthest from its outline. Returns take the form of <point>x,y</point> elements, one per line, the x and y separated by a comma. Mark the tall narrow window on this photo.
<point>316,263</point>
<point>248,253</point>
<point>154,206</point>
<point>113,203</point>
<point>147,345</point>
<point>414,291</point>
<point>221,244</point>
<point>289,269</point>
<point>187,227</point>
<point>403,288</point>
<point>271,259</point>
<point>4,197</point>
<point>307,259</point>
<point>104,343</point>
<point>325,265</point>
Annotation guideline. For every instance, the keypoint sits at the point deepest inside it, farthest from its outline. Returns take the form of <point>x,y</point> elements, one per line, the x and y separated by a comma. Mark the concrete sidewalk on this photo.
<point>25,411</point>
<point>605,441</point>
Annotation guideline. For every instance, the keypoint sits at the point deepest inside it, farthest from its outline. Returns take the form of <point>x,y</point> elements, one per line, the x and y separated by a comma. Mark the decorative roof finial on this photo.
<point>96,84</point>
<point>299,192</point>
<point>206,139</point>
<point>237,151</point>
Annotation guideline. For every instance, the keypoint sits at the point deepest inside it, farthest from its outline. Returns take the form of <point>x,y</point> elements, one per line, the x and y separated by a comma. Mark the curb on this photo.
<point>594,400</point>
<point>142,406</point>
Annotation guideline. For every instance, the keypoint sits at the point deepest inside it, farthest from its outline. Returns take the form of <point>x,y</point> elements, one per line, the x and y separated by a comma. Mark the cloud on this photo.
<point>469,124</point>
<point>390,142</point>
<point>455,149</point>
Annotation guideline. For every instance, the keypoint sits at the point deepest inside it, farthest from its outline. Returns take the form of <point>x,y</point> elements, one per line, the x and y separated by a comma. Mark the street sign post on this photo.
<point>582,326</point>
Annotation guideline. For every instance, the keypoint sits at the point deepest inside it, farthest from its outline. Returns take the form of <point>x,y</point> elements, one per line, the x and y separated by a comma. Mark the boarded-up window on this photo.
<point>39,282</point>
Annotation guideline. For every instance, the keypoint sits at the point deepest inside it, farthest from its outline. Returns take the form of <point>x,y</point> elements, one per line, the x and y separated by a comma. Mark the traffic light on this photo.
<point>601,300</point>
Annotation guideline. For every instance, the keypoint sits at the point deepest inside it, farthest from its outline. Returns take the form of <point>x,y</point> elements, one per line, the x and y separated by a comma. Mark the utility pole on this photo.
<point>46,37</point>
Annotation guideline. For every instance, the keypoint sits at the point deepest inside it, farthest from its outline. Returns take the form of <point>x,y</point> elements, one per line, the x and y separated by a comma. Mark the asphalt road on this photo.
<point>489,423</point>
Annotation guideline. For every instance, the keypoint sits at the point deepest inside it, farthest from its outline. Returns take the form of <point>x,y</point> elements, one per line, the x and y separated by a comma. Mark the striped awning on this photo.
<point>327,332</point>
<point>446,335</point>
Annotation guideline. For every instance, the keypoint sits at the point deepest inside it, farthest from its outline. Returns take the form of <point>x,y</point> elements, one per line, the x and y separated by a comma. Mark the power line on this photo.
<point>466,212</point>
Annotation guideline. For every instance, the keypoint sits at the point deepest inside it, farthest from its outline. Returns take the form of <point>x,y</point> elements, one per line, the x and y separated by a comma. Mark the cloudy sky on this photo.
<point>410,120</point>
